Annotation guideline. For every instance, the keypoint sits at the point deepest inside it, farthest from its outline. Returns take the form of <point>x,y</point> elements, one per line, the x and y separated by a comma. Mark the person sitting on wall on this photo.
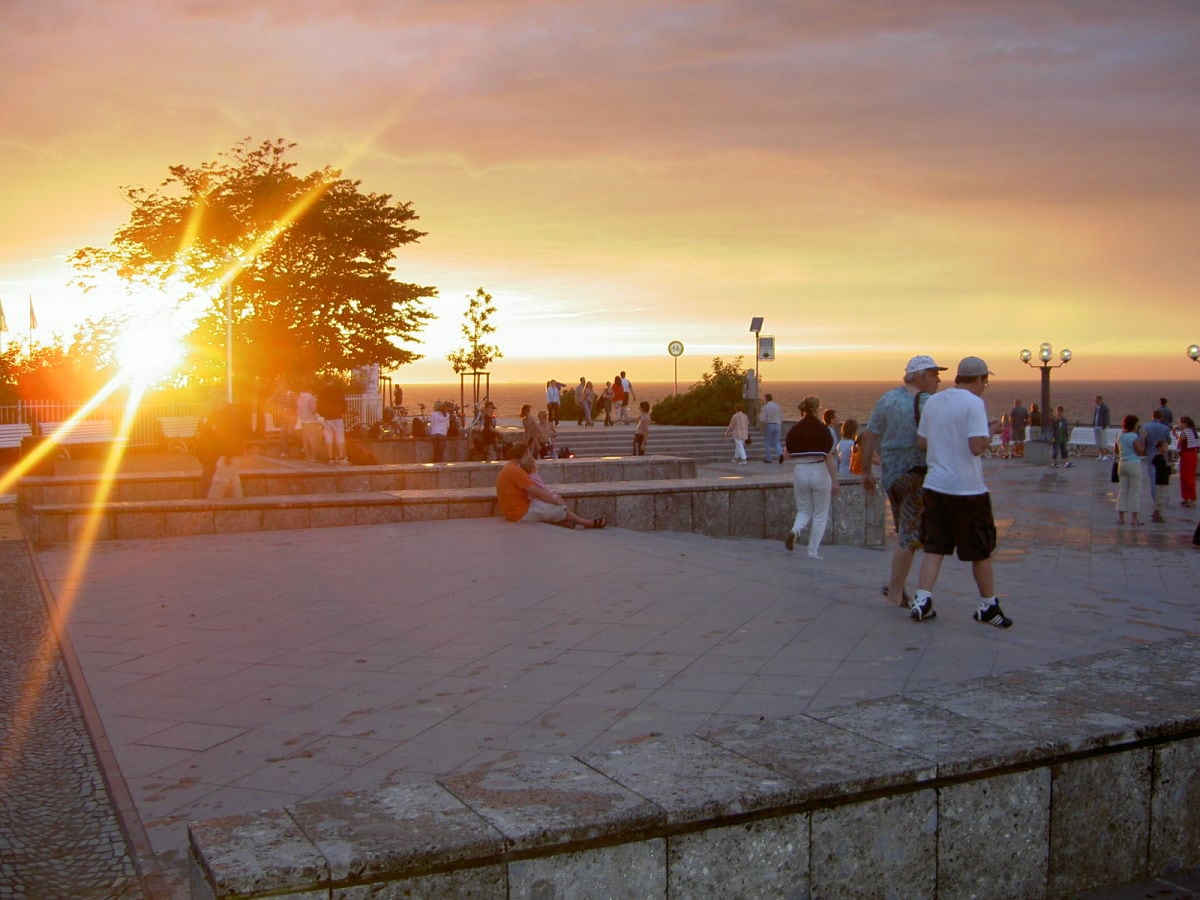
<point>522,499</point>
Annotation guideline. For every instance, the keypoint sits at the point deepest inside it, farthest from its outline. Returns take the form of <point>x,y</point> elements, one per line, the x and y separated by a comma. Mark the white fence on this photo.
<point>361,409</point>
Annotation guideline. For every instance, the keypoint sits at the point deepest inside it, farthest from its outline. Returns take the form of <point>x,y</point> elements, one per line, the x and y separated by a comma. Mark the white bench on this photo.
<point>178,431</point>
<point>87,431</point>
<point>12,435</point>
<point>1083,437</point>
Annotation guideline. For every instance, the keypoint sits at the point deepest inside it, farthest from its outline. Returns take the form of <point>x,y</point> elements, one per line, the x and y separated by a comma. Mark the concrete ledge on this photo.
<point>44,490</point>
<point>1038,783</point>
<point>754,506</point>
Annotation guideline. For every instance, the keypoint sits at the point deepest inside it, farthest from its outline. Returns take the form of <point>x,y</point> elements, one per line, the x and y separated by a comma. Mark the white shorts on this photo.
<point>335,430</point>
<point>541,511</point>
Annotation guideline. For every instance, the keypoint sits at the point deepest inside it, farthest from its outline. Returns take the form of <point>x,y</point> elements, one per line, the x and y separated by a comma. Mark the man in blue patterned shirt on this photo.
<point>892,431</point>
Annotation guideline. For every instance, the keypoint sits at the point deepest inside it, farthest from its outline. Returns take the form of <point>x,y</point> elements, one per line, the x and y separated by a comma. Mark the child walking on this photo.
<point>1162,479</point>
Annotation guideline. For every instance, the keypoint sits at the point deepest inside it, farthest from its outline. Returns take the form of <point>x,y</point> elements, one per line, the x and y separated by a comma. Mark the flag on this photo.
<point>3,321</point>
<point>32,314</point>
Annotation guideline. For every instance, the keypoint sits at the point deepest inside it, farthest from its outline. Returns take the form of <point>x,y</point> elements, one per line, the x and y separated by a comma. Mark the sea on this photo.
<point>856,399</point>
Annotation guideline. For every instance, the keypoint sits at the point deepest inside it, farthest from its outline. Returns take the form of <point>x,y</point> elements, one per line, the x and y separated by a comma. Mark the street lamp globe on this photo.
<point>1026,356</point>
<point>1045,352</point>
<point>1065,356</point>
<point>1194,352</point>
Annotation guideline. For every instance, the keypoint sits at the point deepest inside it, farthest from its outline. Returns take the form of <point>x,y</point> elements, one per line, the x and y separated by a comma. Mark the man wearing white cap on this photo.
<point>955,431</point>
<point>892,430</point>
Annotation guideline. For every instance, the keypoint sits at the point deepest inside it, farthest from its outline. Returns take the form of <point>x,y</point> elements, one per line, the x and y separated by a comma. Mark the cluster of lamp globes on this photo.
<point>1045,354</point>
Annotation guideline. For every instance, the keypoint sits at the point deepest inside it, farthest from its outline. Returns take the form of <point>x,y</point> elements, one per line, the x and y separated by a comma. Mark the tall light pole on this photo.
<point>230,262</point>
<point>1045,354</point>
<point>756,324</point>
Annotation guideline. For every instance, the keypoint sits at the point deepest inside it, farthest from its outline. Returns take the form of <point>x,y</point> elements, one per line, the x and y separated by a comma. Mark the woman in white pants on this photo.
<point>814,480</point>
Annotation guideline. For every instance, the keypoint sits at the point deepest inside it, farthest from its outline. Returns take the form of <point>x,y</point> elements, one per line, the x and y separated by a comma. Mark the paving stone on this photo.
<point>59,832</point>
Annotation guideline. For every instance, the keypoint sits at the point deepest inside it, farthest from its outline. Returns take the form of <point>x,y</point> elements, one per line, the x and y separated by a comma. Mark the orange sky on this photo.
<point>875,179</point>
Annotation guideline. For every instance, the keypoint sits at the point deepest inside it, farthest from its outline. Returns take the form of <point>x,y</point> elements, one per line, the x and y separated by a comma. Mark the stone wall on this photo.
<point>640,493</point>
<point>1039,783</point>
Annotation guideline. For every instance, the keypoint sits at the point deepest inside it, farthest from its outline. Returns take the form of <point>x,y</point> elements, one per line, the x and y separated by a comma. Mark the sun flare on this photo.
<point>153,325</point>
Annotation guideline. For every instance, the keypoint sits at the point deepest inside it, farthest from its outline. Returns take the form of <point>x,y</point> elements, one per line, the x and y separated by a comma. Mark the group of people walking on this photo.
<point>929,445</point>
<point>313,418</point>
<point>612,401</point>
<point>1142,452</point>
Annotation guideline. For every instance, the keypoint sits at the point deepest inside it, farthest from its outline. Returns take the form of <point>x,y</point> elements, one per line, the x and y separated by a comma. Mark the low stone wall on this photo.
<point>286,482</point>
<point>1038,783</point>
<point>387,451</point>
<point>754,506</point>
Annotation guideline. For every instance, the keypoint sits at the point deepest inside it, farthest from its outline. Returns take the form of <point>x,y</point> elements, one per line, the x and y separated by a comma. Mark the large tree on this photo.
<point>309,259</point>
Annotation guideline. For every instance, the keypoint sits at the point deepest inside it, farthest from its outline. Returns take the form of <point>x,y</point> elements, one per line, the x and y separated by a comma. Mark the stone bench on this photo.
<point>285,482</point>
<point>752,506</point>
<point>1045,782</point>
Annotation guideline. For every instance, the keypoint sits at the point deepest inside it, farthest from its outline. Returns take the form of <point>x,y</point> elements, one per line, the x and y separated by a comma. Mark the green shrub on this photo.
<point>568,409</point>
<point>710,402</point>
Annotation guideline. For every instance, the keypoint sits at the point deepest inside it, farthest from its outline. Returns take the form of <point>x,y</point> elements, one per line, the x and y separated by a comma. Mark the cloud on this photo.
<point>670,155</point>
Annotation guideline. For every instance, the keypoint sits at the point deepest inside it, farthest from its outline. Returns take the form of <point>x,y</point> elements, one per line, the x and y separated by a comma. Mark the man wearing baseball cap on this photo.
<point>892,430</point>
<point>955,431</point>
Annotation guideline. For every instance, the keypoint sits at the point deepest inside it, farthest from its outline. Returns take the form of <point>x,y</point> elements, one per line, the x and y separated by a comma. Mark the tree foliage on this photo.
<point>67,373</point>
<point>309,258</point>
<point>710,402</point>
<point>476,355</point>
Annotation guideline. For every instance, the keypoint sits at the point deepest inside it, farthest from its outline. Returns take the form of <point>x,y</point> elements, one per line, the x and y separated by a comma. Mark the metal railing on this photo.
<point>362,409</point>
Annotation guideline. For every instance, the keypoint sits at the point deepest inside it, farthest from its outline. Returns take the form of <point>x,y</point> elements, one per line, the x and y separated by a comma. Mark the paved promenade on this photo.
<point>233,673</point>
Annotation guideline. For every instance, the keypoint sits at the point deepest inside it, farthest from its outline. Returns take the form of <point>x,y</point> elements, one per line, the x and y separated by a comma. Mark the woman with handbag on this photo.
<point>1129,449</point>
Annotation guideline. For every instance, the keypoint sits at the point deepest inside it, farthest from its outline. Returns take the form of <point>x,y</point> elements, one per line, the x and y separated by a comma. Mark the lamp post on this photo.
<point>750,392</point>
<point>1045,354</point>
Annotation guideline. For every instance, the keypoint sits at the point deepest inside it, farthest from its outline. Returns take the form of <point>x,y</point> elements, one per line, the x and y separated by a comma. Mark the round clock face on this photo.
<point>675,348</point>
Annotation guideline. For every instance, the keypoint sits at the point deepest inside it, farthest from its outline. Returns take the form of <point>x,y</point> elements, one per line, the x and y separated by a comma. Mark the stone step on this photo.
<point>706,443</point>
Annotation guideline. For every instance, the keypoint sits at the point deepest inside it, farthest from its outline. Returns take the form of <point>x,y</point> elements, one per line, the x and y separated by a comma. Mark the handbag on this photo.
<point>856,466</point>
<point>1115,477</point>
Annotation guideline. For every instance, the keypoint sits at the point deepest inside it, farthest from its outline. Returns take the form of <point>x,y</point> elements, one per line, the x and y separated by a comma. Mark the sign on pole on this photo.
<point>766,347</point>
<point>675,348</point>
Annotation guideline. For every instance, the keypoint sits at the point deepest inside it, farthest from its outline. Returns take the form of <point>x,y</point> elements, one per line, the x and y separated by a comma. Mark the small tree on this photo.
<point>711,402</point>
<point>476,356</point>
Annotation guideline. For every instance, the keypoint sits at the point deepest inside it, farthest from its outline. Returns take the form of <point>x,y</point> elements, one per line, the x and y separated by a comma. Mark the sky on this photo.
<point>874,179</point>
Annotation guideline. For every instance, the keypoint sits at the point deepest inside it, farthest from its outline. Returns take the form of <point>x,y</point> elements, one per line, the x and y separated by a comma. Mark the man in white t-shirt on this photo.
<point>955,432</point>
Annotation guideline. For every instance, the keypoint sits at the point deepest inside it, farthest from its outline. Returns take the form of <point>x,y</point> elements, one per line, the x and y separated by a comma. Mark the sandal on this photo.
<point>905,600</point>
<point>598,523</point>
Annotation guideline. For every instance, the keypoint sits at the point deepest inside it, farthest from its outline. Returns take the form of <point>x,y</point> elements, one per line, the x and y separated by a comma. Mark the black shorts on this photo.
<point>963,522</point>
